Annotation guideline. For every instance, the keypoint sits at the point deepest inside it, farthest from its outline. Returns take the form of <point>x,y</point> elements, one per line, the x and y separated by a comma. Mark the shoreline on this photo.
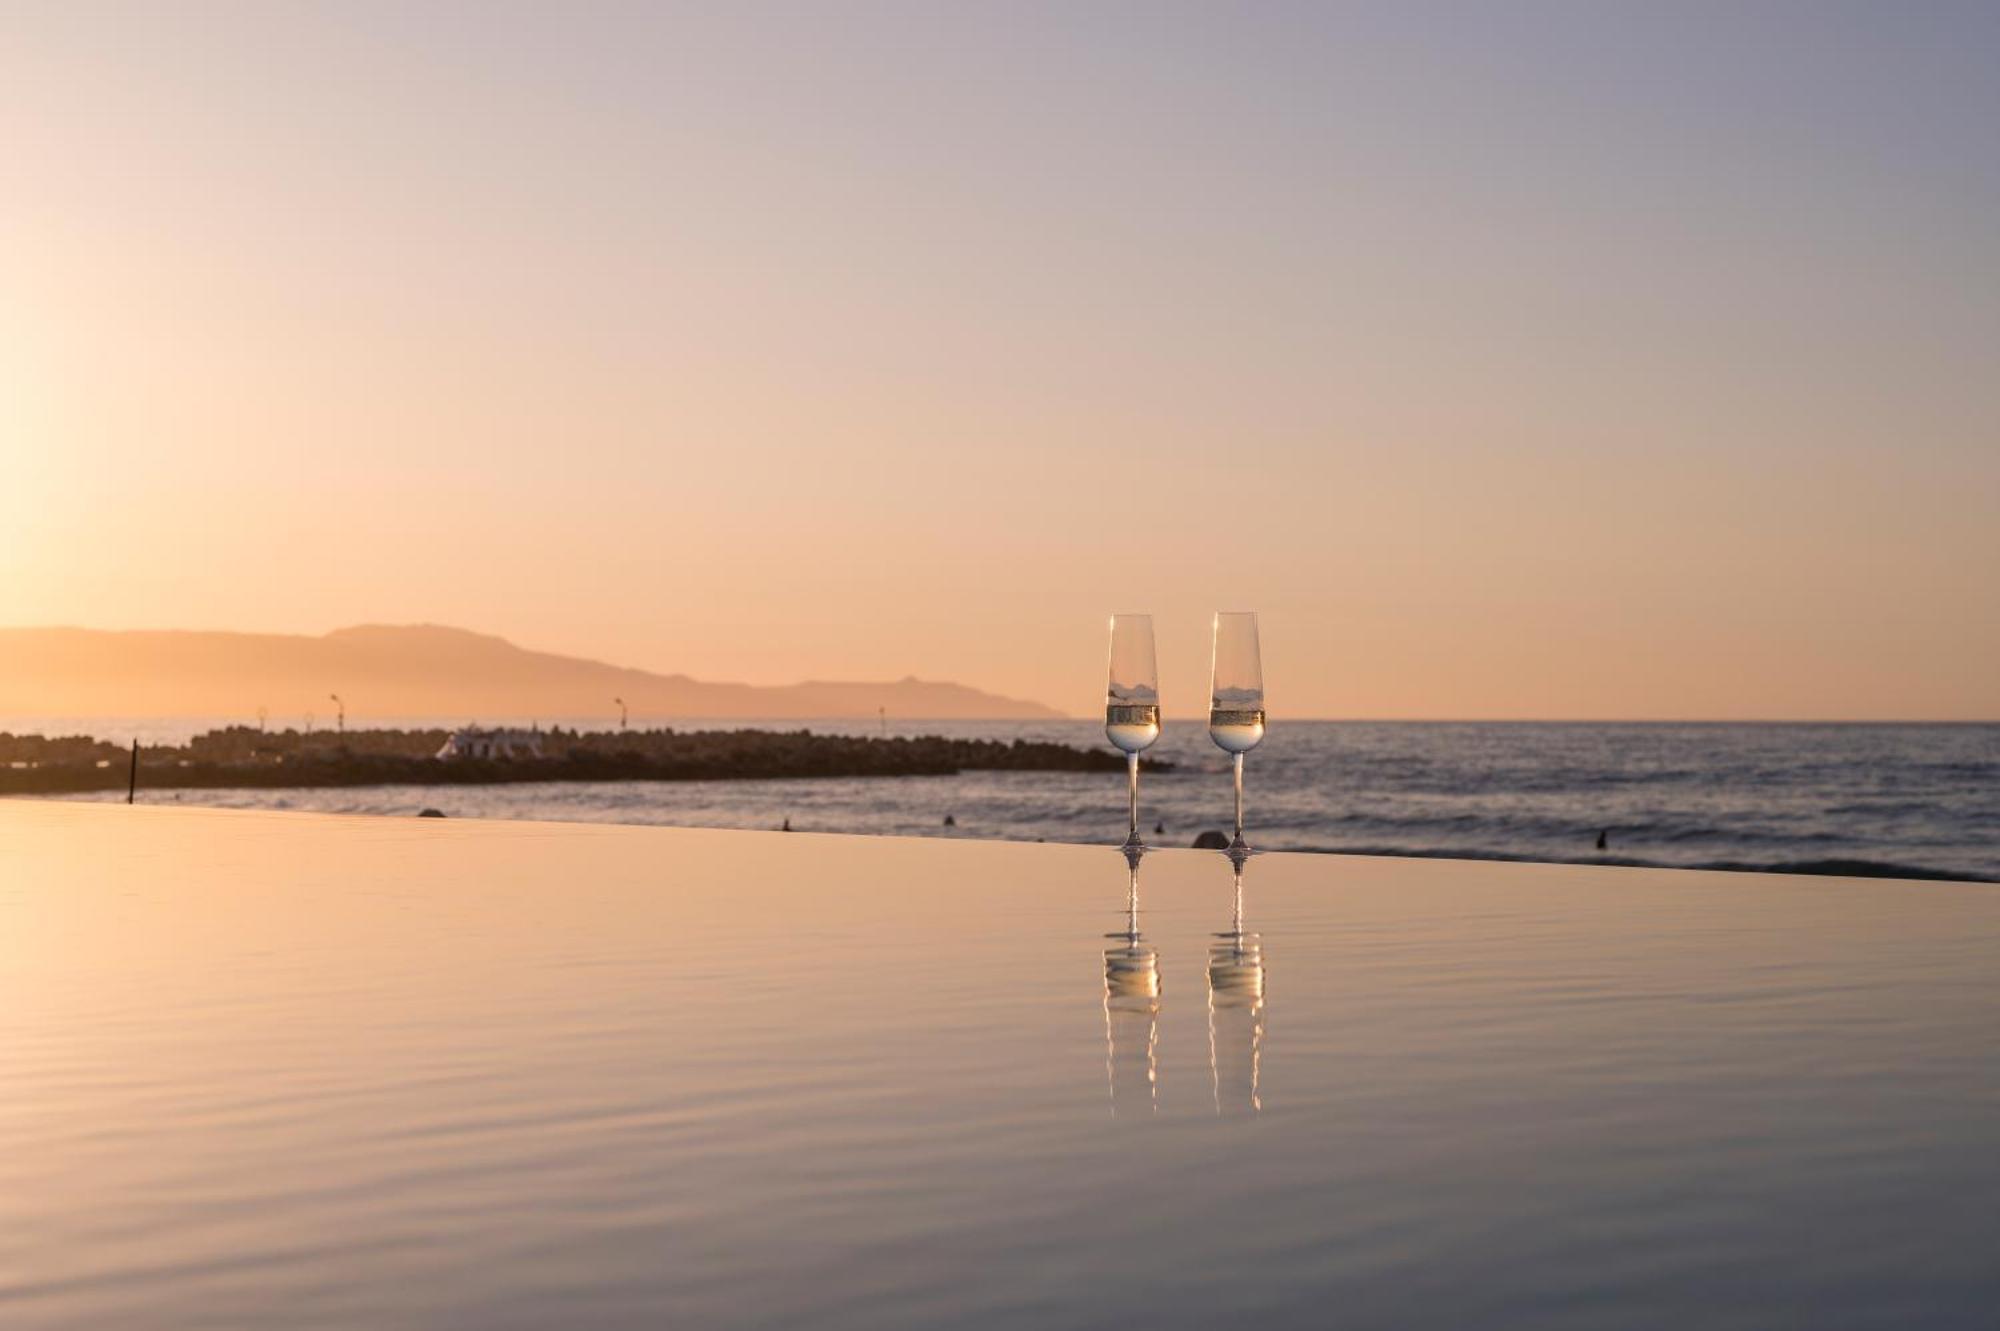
<point>1849,867</point>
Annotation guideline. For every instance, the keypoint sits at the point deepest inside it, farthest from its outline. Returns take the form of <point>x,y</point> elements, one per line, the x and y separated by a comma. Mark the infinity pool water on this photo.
<point>270,1069</point>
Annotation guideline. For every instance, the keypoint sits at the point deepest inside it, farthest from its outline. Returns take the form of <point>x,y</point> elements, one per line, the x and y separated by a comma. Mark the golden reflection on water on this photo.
<point>1236,1010</point>
<point>314,1072</point>
<point>1132,1007</point>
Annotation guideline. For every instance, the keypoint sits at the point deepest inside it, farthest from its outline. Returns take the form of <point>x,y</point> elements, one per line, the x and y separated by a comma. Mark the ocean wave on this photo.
<point>1888,808</point>
<point>1832,868</point>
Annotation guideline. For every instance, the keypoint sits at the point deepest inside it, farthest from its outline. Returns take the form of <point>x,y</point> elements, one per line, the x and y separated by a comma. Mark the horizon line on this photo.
<point>1195,718</point>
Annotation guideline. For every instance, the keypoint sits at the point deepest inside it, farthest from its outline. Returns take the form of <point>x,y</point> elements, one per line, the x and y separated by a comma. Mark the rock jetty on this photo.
<point>245,757</point>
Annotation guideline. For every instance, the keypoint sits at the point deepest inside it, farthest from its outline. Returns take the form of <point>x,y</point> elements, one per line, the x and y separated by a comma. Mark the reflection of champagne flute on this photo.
<point>1132,1004</point>
<point>1132,700</point>
<point>1236,696</point>
<point>1236,1010</point>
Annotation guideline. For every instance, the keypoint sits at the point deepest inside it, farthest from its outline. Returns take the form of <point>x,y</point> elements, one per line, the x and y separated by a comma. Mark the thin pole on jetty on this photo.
<point>132,781</point>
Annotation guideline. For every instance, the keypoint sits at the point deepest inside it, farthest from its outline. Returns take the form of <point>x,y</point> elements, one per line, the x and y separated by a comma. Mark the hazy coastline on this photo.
<point>411,670</point>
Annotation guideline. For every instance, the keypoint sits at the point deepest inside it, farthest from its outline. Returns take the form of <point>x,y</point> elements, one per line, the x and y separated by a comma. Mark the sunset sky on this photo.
<point>1513,361</point>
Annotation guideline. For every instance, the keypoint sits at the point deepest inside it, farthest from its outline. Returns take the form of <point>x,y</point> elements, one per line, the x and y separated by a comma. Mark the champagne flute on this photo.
<point>1236,698</point>
<point>1132,701</point>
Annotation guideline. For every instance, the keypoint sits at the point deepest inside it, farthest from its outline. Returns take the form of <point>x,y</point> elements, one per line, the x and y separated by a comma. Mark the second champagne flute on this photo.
<point>1236,698</point>
<point>1132,701</point>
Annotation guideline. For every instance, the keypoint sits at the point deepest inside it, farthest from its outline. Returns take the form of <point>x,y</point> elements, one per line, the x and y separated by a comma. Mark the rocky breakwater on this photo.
<point>244,757</point>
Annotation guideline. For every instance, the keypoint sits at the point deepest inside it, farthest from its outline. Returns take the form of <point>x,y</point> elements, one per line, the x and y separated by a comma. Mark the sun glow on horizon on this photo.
<point>1571,365</point>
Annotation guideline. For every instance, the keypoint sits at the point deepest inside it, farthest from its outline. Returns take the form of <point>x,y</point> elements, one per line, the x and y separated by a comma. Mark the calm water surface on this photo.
<point>285,1070</point>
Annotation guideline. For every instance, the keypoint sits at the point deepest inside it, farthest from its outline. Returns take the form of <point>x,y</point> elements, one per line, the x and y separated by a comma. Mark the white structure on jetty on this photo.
<point>472,742</point>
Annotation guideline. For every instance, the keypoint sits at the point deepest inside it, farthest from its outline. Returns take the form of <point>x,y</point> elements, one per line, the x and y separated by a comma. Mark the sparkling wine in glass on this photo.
<point>1236,698</point>
<point>1132,700</point>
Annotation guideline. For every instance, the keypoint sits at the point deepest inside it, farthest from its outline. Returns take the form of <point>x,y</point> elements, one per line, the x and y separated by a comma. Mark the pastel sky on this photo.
<point>1592,360</point>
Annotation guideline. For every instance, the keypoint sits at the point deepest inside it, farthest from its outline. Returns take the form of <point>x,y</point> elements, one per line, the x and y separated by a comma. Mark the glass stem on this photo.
<point>1132,773</point>
<point>1239,799</point>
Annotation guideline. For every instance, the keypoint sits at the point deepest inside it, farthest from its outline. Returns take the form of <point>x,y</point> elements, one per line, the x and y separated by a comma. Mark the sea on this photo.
<point>1870,799</point>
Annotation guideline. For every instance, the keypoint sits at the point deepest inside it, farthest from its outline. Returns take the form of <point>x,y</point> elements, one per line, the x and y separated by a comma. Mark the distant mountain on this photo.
<point>409,671</point>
